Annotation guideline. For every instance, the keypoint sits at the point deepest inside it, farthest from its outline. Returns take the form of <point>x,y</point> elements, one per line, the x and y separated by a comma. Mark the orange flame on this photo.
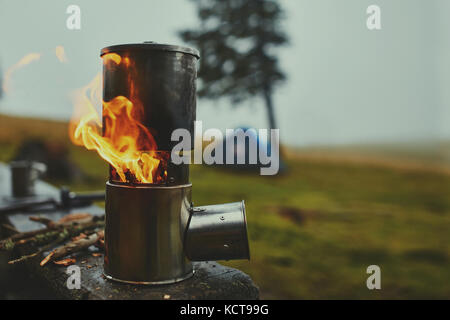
<point>112,57</point>
<point>61,54</point>
<point>126,144</point>
<point>22,62</point>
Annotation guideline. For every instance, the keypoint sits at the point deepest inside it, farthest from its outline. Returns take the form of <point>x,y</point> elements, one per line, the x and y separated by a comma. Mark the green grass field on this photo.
<point>314,230</point>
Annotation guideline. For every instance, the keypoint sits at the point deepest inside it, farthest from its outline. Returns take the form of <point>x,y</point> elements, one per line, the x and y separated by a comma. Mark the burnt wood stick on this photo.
<point>72,247</point>
<point>10,228</point>
<point>46,234</point>
<point>45,221</point>
<point>40,251</point>
<point>61,238</point>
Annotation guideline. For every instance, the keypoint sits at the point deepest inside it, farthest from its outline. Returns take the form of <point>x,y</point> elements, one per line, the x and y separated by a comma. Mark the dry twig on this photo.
<point>72,247</point>
<point>65,262</point>
<point>54,229</point>
<point>10,228</point>
<point>81,227</point>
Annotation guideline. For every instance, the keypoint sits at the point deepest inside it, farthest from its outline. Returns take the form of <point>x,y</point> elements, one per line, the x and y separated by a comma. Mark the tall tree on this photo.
<point>236,39</point>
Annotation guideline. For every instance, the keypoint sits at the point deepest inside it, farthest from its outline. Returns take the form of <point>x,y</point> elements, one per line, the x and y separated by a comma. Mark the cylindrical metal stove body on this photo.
<point>161,80</point>
<point>144,233</point>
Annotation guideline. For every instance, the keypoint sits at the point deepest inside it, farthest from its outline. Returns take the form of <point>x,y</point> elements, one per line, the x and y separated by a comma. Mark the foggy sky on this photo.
<point>345,84</point>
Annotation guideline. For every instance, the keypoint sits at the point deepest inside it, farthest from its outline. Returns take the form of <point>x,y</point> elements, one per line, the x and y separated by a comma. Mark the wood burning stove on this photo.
<point>152,230</point>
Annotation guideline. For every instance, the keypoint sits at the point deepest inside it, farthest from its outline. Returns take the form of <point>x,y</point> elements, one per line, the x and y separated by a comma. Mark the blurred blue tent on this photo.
<point>242,150</point>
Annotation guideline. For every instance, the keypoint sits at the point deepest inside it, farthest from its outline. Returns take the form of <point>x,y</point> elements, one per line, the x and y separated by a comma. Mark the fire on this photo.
<point>126,144</point>
<point>61,54</point>
<point>112,57</point>
<point>21,63</point>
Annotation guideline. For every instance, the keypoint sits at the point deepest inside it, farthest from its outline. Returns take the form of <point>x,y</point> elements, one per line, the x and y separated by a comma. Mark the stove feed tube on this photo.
<point>217,232</point>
